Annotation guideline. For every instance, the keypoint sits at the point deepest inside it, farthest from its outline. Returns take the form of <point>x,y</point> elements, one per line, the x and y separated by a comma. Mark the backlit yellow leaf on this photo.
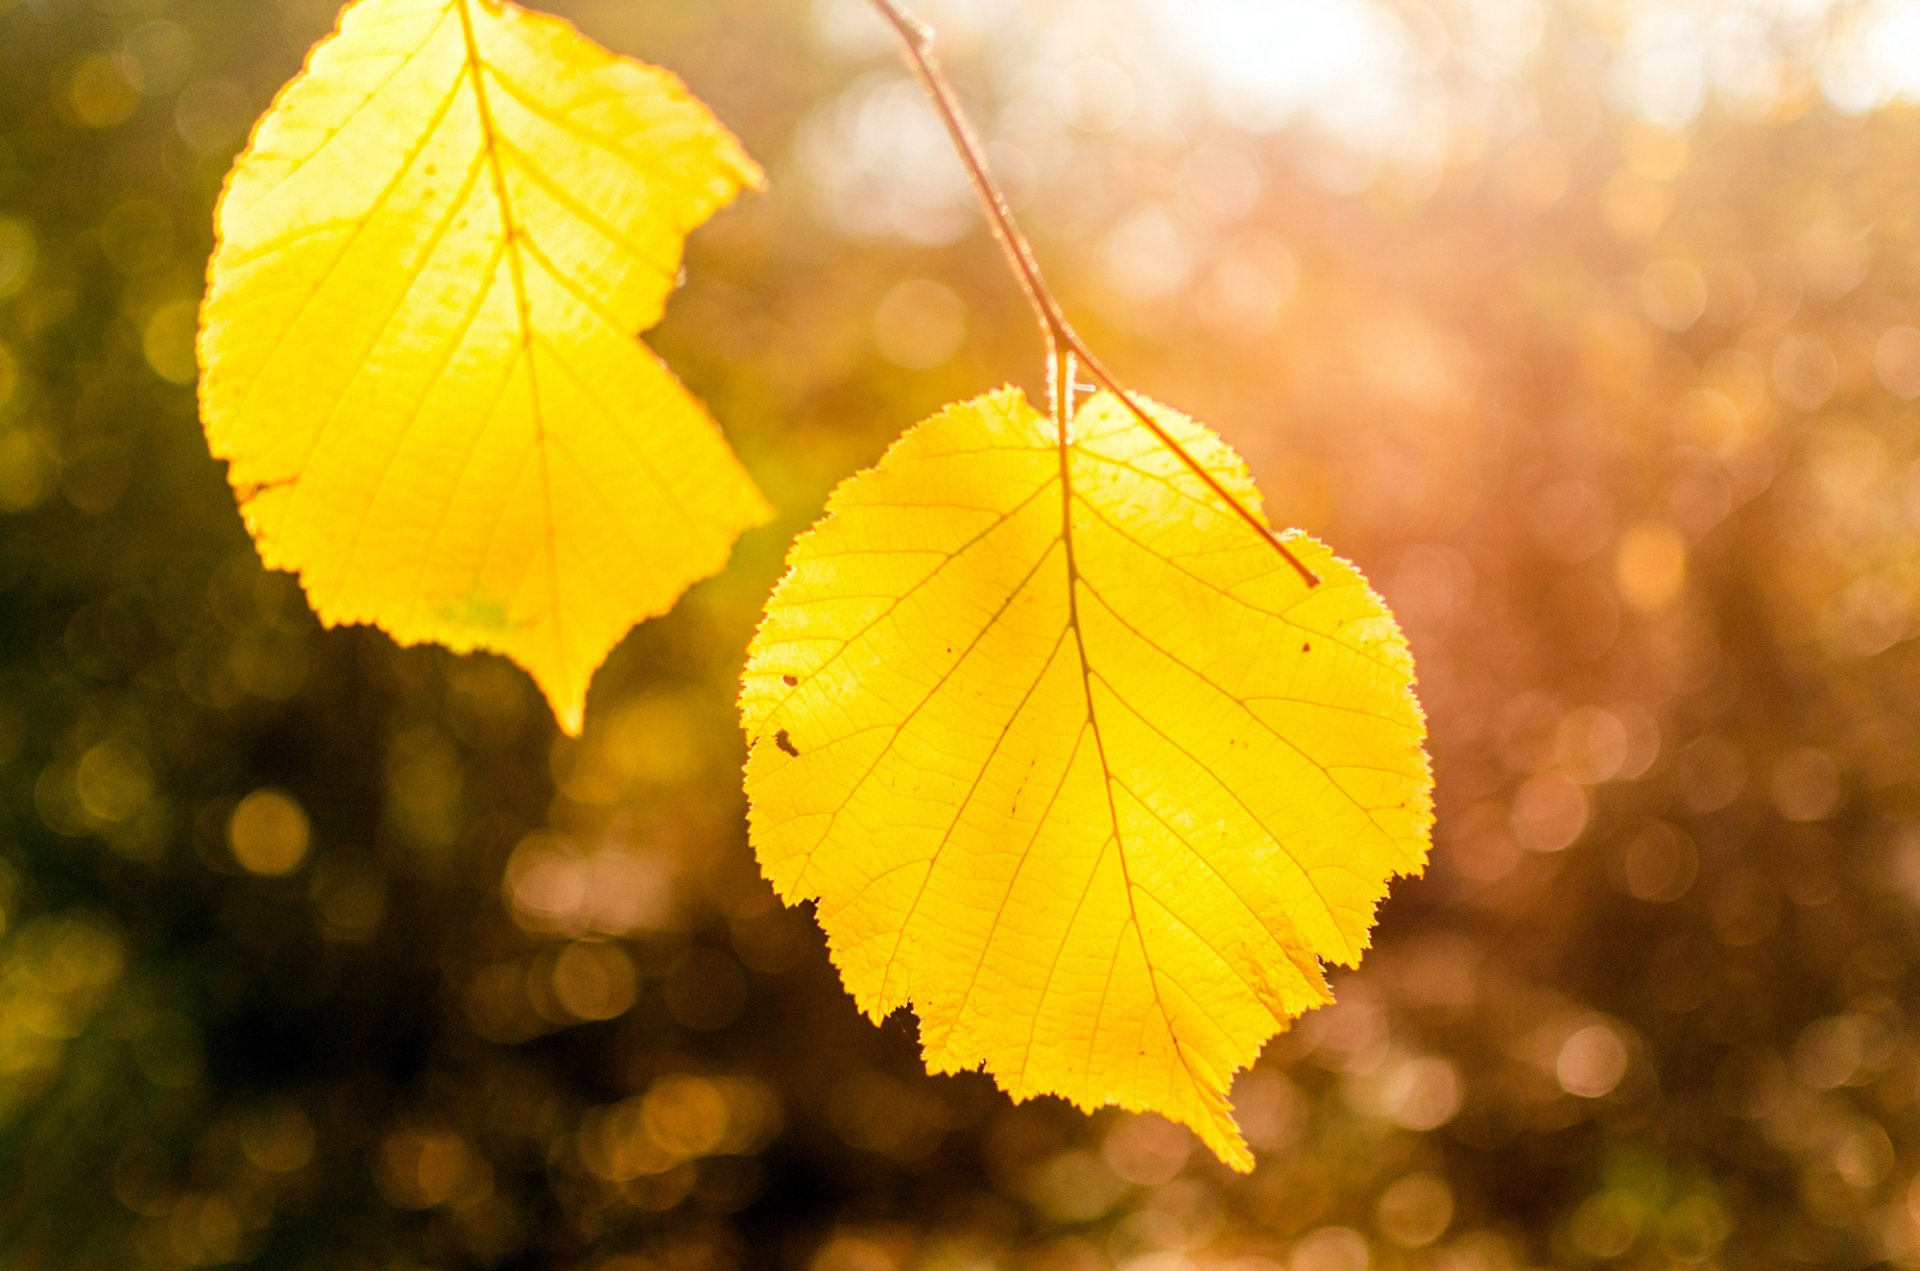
<point>417,349</point>
<point>1075,763</point>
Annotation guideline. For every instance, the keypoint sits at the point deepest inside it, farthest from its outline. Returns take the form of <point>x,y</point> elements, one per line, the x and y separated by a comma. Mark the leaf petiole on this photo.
<point>1064,347</point>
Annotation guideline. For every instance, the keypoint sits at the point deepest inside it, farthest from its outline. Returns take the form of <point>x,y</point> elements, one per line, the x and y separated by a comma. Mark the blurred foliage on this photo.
<point>319,953</point>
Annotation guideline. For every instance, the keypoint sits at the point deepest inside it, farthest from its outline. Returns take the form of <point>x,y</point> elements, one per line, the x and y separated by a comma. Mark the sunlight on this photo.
<point>1345,65</point>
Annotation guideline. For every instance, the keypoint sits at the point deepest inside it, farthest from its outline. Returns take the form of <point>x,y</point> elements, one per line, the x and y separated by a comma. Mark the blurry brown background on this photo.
<point>1588,329</point>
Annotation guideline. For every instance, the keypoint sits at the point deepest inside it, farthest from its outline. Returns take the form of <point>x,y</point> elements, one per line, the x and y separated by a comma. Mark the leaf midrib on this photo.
<point>476,66</point>
<point>1064,445</point>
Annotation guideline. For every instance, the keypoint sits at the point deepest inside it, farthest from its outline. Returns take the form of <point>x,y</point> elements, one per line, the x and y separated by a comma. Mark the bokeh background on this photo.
<point>1587,328</point>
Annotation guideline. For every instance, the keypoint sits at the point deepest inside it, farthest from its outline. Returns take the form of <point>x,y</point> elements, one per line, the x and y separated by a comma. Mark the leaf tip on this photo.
<point>570,715</point>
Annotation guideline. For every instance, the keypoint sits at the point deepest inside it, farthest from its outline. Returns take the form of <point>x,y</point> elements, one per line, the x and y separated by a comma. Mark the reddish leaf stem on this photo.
<point>1063,345</point>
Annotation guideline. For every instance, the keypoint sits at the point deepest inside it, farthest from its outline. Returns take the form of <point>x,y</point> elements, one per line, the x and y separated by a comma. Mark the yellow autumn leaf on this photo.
<point>1075,763</point>
<point>418,349</point>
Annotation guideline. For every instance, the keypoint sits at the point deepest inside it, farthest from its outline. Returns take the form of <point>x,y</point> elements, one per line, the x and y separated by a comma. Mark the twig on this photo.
<point>1057,332</point>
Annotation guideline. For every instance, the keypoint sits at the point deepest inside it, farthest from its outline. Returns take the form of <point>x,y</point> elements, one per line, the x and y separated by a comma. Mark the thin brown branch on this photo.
<point>1055,330</point>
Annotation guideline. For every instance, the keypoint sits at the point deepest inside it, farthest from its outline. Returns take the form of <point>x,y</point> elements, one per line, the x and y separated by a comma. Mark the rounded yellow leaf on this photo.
<point>1075,763</point>
<point>417,348</point>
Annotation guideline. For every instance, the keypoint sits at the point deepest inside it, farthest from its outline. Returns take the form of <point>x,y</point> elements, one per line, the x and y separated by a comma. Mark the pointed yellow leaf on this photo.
<point>1076,764</point>
<point>417,348</point>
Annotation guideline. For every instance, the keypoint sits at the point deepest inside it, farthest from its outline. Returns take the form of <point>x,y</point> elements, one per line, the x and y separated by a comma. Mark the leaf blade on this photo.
<point>417,344</point>
<point>1034,715</point>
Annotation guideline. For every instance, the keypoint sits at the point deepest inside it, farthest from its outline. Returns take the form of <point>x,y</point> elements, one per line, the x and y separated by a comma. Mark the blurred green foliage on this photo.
<point>319,953</point>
